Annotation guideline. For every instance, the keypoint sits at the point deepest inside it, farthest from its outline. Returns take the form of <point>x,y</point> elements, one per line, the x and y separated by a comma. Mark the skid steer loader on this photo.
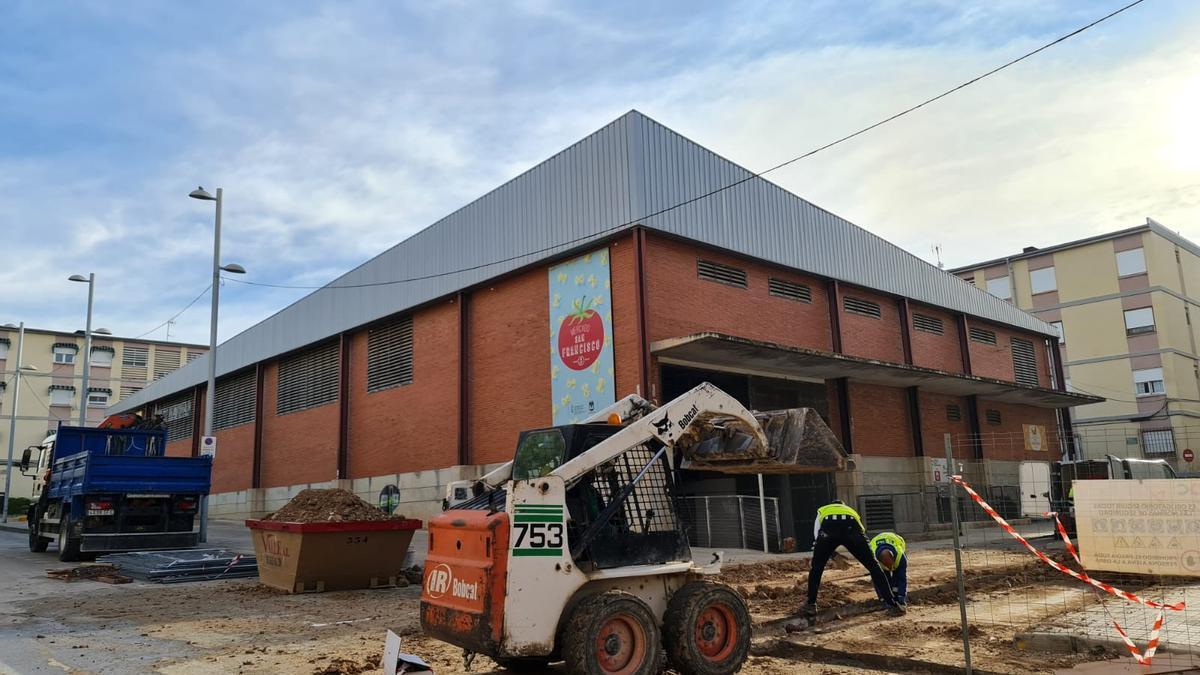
<point>576,551</point>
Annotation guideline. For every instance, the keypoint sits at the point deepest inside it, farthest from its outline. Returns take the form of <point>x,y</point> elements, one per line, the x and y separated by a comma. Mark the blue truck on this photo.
<point>105,490</point>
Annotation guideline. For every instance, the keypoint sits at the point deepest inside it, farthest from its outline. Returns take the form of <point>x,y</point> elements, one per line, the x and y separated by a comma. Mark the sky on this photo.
<point>338,129</point>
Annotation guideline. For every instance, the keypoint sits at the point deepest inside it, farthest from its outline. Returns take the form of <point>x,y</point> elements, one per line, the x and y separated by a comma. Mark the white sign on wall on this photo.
<point>208,446</point>
<point>938,471</point>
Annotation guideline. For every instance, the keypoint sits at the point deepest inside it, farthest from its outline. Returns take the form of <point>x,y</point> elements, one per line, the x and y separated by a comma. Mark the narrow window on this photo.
<point>861,307</point>
<point>722,274</point>
<point>929,324</point>
<point>987,337</point>
<point>787,289</point>
<point>390,355</point>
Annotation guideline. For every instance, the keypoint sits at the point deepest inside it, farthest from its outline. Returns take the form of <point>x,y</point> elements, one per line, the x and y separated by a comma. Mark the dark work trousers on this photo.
<point>856,542</point>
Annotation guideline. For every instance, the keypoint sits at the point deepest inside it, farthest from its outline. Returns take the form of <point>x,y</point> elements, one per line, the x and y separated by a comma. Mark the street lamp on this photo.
<point>90,280</point>
<point>210,396</point>
<point>12,416</point>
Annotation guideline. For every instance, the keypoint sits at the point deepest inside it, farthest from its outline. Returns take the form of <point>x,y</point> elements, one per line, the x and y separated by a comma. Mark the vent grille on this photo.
<point>128,390</point>
<point>987,337</point>
<point>390,355</point>
<point>165,362</point>
<point>993,418</point>
<point>879,512</point>
<point>193,355</point>
<point>722,274</point>
<point>135,357</point>
<point>929,324</point>
<point>177,414</point>
<point>235,400</point>
<point>953,412</point>
<point>786,289</point>
<point>861,307</point>
<point>1024,362</point>
<point>308,379</point>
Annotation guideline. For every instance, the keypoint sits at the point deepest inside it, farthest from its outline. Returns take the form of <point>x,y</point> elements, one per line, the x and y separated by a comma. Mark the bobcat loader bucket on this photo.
<point>798,441</point>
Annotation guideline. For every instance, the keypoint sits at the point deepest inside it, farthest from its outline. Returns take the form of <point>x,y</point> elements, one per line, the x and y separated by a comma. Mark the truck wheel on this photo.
<point>68,545</point>
<point>522,664</point>
<point>37,543</point>
<point>612,633</point>
<point>706,629</point>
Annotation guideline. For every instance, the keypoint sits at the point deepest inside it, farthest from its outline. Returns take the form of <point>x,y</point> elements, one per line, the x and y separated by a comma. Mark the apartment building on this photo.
<point>52,380</point>
<point>1121,303</point>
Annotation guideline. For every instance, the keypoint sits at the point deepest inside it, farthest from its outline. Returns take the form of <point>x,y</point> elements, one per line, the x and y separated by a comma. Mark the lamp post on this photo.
<point>12,417</point>
<point>90,280</point>
<point>210,394</point>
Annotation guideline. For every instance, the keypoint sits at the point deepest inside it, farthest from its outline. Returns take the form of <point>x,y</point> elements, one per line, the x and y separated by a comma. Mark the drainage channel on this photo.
<point>786,649</point>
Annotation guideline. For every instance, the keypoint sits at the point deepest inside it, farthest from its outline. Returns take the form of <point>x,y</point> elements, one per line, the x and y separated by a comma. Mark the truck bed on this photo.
<point>86,473</point>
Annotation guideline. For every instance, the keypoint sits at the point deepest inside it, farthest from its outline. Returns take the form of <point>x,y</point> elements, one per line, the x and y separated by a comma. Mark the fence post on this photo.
<point>958,568</point>
<point>742,520</point>
<point>708,521</point>
<point>778,527</point>
<point>762,513</point>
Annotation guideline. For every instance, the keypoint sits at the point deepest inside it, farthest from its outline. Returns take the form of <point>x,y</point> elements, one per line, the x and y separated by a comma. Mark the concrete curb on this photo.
<point>20,528</point>
<point>1046,641</point>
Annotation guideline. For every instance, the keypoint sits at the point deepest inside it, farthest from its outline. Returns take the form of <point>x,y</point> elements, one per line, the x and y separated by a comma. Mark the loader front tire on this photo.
<point>612,633</point>
<point>706,629</point>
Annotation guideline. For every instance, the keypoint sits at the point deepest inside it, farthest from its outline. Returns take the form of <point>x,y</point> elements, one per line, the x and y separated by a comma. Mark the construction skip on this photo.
<point>1139,526</point>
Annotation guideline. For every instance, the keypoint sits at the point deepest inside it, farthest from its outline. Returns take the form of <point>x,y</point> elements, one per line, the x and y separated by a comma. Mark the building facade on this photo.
<point>1121,304</point>
<point>555,294</point>
<point>52,380</point>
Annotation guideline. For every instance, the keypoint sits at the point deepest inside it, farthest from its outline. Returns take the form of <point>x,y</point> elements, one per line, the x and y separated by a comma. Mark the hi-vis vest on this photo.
<point>895,541</point>
<point>839,512</point>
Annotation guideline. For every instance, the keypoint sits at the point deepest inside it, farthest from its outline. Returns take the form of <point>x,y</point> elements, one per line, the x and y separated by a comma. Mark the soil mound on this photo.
<point>328,506</point>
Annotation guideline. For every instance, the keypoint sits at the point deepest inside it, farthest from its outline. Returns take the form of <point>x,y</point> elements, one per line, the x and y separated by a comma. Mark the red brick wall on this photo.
<point>996,361</point>
<point>233,468</point>
<point>299,447</point>
<point>879,421</point>
<point>180,448</point>
<point>509,364</point>
<point>679,303</point>
<point>941,352</point>
<point>1007,440</point>
<point>934,423</point>
<point>413,427</point>
<point>869,337</point>
<point>627,349</point>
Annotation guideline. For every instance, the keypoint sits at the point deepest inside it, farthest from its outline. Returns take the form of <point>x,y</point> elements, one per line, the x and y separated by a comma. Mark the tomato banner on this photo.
<point>581,348</point>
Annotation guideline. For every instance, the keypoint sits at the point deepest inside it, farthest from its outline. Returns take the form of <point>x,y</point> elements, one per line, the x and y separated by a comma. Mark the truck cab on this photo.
<point>1063,476</point>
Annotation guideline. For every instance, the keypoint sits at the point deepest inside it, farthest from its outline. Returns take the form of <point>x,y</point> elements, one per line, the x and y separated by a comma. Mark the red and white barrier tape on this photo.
<point>1062,532</point>
<point>1082,576</point>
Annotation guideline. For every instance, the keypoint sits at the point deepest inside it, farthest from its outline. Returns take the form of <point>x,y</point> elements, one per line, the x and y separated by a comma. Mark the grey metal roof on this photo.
<point>611,179</point>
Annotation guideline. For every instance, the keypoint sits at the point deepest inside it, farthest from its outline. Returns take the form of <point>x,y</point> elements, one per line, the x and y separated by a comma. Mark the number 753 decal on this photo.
<point>538,535</point>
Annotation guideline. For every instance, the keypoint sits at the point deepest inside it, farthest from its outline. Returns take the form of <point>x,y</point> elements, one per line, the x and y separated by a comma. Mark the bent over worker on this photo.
<point>888,549</point>
<point>839,525</point>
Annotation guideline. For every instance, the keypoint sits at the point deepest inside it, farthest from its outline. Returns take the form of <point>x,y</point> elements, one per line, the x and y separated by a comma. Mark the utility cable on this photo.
<point>177,314</point>
<point>732,185</point>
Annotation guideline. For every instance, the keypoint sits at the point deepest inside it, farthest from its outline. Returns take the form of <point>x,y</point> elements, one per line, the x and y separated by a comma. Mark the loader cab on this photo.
<point>541,451</point>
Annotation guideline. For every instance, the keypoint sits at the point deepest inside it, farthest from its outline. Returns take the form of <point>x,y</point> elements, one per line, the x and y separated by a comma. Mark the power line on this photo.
<point>177,314</point>
<point>732,185</point>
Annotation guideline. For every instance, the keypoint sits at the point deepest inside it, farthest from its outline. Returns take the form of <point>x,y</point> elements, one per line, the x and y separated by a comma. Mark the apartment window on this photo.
<point>102,356</point>
<point>993,418</point>
<point>235,400</point>
<point>953,413</point>
<point>1158,442</point>
<point>62,394</point>
<point>4,342</point>
<point>1024,362</point>
<point>861,307</point>
<point>98,397</point>
<point>987,337</point>
<point>65,353</point>
<point>192,355</point>
<point>1058,328</point>
<point>165,361</point>
<point>177,414</point>
<point>135,357</point>
<point>1139,321</point>
<point>722,274</point>
<point>390,355</point>
<point>1148,382</point>
<point>1131,262</point>
<point>999,287</point>
<point>1042,281</point>
<point>128,390</point>
<point>970,278</point>
<point>929,324</point>
<point>787,289</point>
<point>308,379</point>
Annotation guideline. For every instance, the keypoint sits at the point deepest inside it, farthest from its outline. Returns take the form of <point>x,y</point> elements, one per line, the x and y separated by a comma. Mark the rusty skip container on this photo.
<point>315,557</point>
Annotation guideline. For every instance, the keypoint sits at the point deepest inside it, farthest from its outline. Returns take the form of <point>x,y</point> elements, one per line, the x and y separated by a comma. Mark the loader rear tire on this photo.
<point>706,629</point>
<point>612,633</point>
<point>68,545</point>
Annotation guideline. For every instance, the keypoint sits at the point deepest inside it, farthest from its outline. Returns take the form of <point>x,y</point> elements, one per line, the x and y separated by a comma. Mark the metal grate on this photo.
<point>390,355</point>
<point>165,361</point>
<point>1024,362</point>
<point>1159,442</point>
<point>135,357</point>
<point>987,337</point>
<point>879,513</point>
<point>787,289</point>
<point>235,400</point>
<point>128,390</point>
<point>722,274</point>
<point>993,418</point>
<point>929,324</point>
<point>308,379</point>
<point>862,307</point>
<point>192,355</point>
<point>177,414</point>
<point>953,412</point>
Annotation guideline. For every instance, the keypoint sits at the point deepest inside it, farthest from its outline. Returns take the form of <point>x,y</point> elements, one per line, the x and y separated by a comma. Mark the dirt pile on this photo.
<point>328,506</point>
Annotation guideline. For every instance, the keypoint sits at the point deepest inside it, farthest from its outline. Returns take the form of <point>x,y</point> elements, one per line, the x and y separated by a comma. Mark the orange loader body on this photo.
<point>462,597</point>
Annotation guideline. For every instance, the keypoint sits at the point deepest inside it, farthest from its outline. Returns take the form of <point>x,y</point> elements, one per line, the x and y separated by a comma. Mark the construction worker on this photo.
<point>839,525</point>
<point>888,549</point>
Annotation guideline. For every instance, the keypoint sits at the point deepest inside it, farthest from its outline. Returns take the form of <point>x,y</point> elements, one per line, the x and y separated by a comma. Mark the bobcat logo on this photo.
<point>663,426</point>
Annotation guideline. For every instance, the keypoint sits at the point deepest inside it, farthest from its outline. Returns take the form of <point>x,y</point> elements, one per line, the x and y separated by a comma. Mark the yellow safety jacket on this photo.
<point>895,541</point>
<point>838,512</point>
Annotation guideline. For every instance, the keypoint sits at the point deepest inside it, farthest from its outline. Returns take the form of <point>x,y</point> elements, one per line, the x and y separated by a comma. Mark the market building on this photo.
<point>605,271</point>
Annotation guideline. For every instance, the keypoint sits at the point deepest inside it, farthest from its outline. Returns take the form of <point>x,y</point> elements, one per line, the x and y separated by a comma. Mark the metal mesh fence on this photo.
<point>732,521</point>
